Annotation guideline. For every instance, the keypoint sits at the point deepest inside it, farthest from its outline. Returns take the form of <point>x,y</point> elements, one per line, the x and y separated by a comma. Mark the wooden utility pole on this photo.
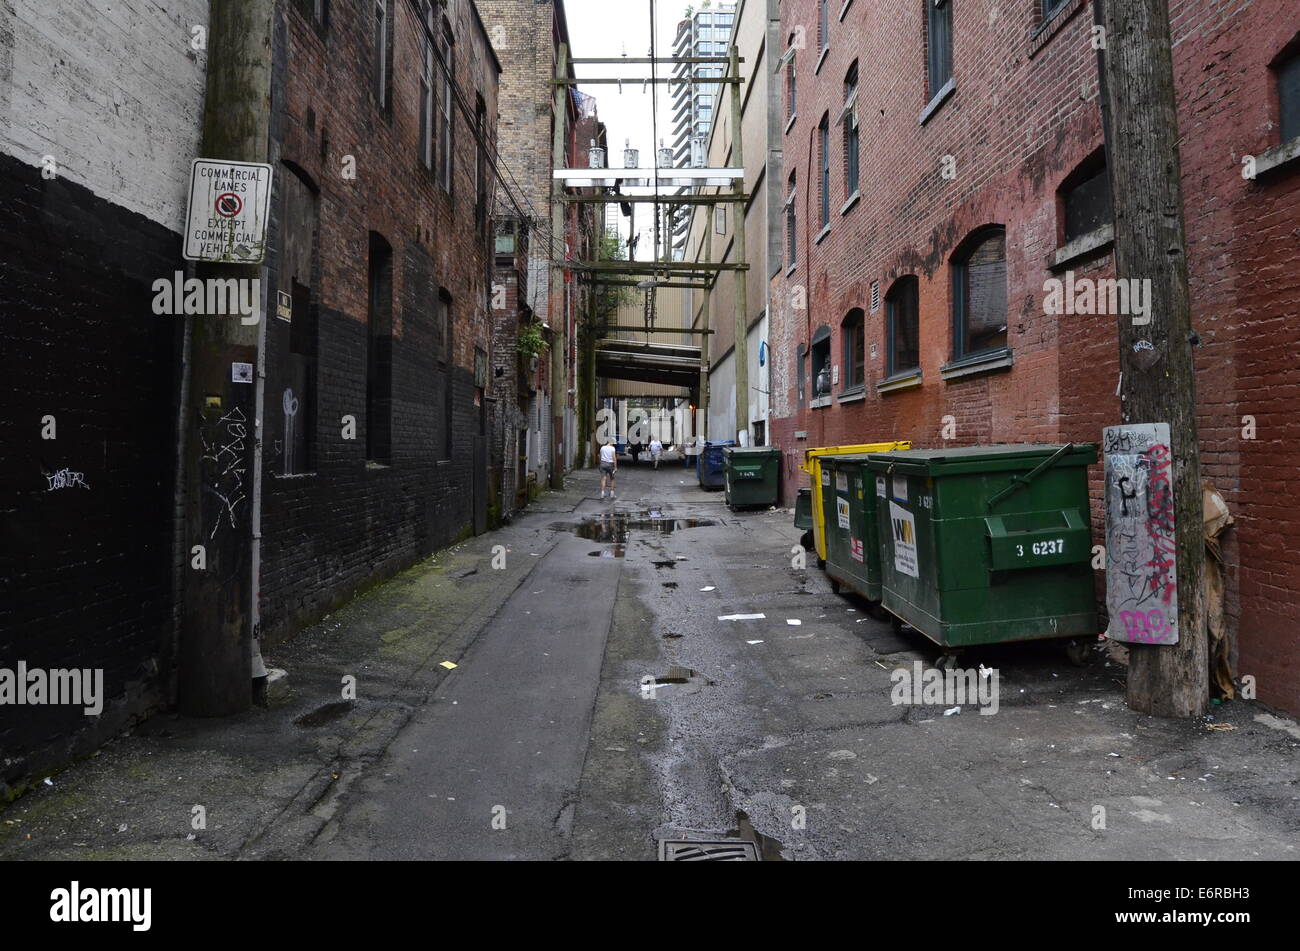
<point>741,352</point>
<point>215,656</point>
<point>556,318</point>
<point>705,345</point>
<point>1158,382</point>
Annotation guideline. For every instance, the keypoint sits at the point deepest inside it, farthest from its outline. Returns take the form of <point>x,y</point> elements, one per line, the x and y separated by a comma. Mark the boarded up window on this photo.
<point>379,353</point>
<point>292,335</point>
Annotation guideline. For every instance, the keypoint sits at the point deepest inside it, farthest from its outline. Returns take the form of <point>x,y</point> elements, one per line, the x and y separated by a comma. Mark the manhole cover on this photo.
<point>702,850</point>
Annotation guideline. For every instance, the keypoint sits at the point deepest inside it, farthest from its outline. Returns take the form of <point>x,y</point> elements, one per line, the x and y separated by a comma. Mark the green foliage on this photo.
<point>531,342</point>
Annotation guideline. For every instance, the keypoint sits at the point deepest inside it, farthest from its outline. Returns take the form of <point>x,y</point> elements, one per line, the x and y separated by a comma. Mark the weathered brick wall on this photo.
<point>331,532</point>
<point>1023,117</point>
<point>86,573</point>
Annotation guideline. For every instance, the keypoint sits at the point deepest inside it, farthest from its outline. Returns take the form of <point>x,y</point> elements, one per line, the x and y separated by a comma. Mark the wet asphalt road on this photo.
<point>551,741</point>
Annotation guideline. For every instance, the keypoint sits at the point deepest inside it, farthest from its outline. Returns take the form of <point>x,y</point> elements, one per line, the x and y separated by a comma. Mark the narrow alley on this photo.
<point>601,704</point>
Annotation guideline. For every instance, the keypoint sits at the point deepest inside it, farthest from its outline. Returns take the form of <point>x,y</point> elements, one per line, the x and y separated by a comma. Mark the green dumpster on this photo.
<point>752,476</point>
<point>849,511</point>
<point>987,544</point>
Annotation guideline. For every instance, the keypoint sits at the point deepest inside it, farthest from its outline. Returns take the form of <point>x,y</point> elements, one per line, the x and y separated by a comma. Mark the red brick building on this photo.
<point>942,161</point>
<point>380,272</point>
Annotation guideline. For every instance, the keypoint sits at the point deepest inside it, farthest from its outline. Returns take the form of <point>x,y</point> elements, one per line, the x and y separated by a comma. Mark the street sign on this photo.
<point>227,216</point>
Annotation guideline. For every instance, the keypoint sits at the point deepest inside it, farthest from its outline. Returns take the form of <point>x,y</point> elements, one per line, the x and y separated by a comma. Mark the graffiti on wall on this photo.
<point>225,467</point>
<point>1141,563</point>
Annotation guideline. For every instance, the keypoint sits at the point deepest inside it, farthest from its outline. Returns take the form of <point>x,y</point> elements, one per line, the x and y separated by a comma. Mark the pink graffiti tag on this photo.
<point>1145,627</point>
<point>1160,523</point>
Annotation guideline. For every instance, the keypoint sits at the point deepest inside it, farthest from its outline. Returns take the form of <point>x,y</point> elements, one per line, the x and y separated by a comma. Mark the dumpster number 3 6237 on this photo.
<point>1053,547</point>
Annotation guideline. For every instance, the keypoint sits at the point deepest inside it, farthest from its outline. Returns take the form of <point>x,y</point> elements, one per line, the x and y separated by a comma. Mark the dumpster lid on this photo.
<point>997,458</point>
<point>753,451</point>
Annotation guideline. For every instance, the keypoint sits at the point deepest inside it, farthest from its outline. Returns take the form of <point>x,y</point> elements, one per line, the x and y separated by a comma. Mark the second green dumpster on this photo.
<point>987,544</point>
<point>849,509</point>
<point>752,476</point>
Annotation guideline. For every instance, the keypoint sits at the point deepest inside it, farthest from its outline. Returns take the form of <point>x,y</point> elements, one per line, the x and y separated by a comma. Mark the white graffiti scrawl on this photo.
<point>66,479</point>
<point>225,467</point>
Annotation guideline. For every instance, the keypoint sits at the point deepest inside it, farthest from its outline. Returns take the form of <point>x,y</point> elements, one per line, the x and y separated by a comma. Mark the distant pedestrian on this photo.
<point>656,450</point>
<point>608,467</point>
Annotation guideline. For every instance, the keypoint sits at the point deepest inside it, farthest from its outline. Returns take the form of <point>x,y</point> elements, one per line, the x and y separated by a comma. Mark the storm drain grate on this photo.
<point>703,850</point>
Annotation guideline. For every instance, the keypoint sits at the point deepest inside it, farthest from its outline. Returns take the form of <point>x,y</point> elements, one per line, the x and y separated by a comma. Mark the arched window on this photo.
<point>979,294</point>
<point>903,346</point>
<point>852,334</point>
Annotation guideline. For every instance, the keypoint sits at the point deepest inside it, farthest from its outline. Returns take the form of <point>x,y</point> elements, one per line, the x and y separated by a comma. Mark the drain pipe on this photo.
<point>259,684</point>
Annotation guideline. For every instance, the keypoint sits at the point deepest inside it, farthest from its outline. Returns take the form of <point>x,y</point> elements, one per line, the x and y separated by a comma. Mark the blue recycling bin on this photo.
<point>711,468</point>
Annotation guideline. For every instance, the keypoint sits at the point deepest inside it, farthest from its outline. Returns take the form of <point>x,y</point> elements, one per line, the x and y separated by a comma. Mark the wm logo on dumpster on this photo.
<point>904,531</point>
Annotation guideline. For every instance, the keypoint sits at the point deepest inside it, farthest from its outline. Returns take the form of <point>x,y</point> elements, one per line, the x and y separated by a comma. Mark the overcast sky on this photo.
<point>616,28</point>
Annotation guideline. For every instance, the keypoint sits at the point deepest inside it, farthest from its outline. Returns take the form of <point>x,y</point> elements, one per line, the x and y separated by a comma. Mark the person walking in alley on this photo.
<point>656,450</point>
<point>608,467</point>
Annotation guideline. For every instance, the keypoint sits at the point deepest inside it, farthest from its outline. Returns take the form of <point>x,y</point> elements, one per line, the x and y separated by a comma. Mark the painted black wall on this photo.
<point>85,573</point>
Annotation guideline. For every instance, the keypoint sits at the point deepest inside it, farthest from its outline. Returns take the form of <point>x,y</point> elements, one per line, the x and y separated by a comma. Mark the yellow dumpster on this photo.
<point>821,479</point>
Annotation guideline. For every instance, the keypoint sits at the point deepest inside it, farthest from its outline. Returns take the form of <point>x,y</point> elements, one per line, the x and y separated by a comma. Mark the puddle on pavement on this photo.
<point>326,714</point>
<point>614,529</point>
<point>769,849</point>
<point>676,675</point>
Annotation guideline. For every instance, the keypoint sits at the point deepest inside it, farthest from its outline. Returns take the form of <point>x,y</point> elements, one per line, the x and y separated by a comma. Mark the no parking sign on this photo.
<point>227,214</point>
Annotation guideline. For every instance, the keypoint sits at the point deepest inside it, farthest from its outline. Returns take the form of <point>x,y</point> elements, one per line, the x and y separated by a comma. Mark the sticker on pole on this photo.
<point>1141,562</point>
<point>904,529</point>
<point>227,216</point>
